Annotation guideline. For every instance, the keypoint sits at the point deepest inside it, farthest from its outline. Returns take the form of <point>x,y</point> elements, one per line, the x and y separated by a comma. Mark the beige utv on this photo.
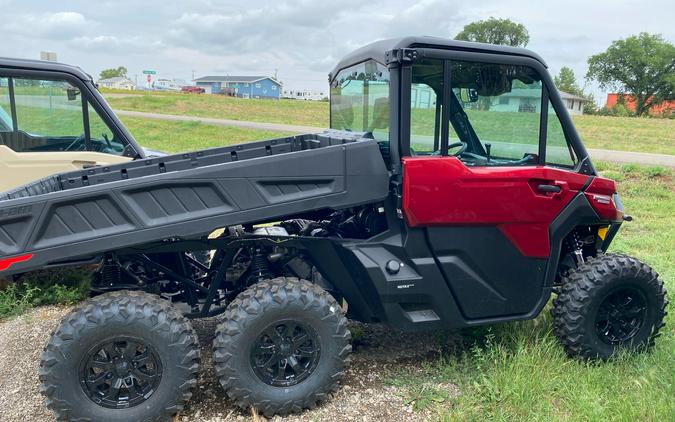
<point>46,127</point>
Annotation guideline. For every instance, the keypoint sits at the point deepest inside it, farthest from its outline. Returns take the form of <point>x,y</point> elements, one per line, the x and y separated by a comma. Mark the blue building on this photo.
<point>241,86</point>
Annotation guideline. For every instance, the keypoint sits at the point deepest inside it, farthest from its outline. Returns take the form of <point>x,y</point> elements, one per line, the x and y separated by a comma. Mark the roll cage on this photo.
<point>400,61</point>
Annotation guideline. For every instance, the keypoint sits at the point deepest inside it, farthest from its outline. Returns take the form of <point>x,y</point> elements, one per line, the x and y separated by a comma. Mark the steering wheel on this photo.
<point>463,146</point>
<point>79,141</point>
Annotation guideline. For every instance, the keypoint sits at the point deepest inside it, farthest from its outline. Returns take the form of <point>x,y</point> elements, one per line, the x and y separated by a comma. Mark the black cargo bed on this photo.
<point>87,212</point>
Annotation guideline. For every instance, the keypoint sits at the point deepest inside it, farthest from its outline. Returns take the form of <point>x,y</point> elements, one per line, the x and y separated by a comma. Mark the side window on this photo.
<point>102,138</point>
<point>359,100</point>
<point>48,110</point>
<point>50,117</point>
<point>5,108</point>
<point>558,151</point>
<point>426,104</point>
<point>502,104</point>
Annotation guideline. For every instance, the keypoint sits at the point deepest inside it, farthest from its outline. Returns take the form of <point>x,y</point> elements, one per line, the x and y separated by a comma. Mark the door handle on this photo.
<point>549,188</point>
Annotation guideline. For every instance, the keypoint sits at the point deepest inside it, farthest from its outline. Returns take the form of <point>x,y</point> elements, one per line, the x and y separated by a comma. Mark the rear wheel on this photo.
<point>608,304</point>
<point>282,346</point>
<point>122,356</point>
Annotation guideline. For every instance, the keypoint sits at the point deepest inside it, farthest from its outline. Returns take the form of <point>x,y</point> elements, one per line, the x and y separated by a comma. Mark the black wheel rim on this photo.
<point>120,372</point>
<point>621,315</point>
<point>285,353</point>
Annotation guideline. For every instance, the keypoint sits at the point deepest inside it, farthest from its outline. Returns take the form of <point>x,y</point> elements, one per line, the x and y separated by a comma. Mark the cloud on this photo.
<point>427,17</point>
<point>54,26</point>
<point>111,44</point>
<point>303,39</point>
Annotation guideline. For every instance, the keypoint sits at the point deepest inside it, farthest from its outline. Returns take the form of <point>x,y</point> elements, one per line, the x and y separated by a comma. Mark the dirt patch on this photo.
<point>363,396</point>
<point>669,181</point>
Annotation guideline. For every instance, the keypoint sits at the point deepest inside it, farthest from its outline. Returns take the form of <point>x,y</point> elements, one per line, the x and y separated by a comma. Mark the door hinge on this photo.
<point>400,56</point>
<point>395,188</point>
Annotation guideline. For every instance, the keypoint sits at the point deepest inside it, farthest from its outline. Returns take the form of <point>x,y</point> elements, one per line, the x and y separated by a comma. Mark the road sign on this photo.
<point>149,72</point>
<point>149,78</point>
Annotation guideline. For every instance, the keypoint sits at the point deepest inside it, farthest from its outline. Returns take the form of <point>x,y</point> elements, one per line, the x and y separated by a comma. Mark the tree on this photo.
<point>642,66</point>
<point>566,81</point>
<point>113,73</point>
<point>495,31</point>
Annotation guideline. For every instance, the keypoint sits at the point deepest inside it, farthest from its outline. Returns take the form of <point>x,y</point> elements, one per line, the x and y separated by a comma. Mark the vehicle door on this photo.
<point>48,126</point>
<point>487,169</point>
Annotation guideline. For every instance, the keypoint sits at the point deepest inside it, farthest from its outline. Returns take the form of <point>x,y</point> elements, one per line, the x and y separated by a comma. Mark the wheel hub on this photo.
<point>285,353</point>
<point>122,369</point>
<point>621,315</point>
<point>120,372</point>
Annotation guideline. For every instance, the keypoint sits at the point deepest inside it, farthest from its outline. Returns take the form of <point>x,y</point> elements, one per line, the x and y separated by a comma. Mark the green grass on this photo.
<point>307,113</point>
<point>174,137</point>
<point>627,133</point>
<point>519,372</point>
<point>615,133</point>
<point>44,287</point>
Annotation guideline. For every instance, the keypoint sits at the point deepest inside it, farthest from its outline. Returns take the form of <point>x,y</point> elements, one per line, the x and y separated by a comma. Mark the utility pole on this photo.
<point>193,75</point>
<point>275,74</point>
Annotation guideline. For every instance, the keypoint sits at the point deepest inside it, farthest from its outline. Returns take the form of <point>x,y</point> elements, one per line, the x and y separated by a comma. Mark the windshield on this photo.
<point>51,115</point>
<point>359,100</point>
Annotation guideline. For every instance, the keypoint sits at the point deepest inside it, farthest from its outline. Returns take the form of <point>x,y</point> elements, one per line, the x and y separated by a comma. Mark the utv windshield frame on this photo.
<point>90,98</point>
<point>400,81</point>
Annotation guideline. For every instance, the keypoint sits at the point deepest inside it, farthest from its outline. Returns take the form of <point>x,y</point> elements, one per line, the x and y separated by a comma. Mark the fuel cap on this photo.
<point>393,266</point>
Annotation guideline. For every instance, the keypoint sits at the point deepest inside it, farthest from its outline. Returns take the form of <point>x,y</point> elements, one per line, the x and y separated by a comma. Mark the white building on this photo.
<point>573,103</point>
<point>118,82</point>
<point>303,94</point>
<point>168,85</point>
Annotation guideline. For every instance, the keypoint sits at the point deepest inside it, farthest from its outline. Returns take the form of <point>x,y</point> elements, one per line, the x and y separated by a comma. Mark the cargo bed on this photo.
<point>85,213</point>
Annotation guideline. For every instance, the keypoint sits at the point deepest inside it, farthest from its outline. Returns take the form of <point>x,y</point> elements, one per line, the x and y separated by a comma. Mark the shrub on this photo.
<point>620,110</point>
<point>46,287</point>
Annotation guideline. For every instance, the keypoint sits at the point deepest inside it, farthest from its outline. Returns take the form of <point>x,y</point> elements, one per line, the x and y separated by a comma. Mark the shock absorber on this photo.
<point>260,268</point>
<point>577,247</point>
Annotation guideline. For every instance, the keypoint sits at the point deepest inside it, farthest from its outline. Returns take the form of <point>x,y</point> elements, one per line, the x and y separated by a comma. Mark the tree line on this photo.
<point>640,68</point>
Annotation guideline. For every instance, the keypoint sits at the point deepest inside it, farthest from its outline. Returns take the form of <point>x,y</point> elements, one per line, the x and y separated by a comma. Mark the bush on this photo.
<point>54,287</point>
<point>620,110</point>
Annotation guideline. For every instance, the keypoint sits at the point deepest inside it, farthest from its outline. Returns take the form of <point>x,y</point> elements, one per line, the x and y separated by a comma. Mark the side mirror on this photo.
<point>72,94</point>
<point>468,95</point>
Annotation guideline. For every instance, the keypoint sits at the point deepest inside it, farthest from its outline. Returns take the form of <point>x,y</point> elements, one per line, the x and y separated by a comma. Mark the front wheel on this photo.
<point>282,346</point>
<point>610,303</point>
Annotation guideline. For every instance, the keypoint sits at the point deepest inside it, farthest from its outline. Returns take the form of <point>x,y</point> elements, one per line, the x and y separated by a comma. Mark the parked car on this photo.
<point>191,89</point>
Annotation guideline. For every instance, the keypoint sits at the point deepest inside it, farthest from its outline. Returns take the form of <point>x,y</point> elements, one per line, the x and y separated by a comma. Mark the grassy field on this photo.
<point>519,372</point>
<point>175,137</point>
<point>307,113</point>
<point>619,133</point>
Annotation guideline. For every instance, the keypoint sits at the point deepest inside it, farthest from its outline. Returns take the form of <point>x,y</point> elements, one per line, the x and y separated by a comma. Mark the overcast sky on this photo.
<point>300,39</point>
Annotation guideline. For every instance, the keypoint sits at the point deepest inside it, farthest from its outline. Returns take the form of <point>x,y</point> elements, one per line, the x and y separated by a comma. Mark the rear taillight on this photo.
<point>601,194</point>
<point>5,263</point>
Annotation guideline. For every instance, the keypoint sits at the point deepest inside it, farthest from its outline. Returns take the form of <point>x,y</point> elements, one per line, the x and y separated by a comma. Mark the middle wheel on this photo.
<point>282,346</point>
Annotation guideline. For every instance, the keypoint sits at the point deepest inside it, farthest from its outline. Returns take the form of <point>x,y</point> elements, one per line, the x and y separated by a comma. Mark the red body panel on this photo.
<point>5,263</point>
<point>443,191</point>
<point>600,194</point>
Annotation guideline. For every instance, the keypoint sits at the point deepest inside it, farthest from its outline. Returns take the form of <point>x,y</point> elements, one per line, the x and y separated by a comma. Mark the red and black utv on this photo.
<point>452,190</point>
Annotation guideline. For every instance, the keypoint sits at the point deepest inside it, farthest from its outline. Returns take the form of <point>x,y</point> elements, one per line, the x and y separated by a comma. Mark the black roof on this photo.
<point>29,64</point>
<point>377,49</point>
